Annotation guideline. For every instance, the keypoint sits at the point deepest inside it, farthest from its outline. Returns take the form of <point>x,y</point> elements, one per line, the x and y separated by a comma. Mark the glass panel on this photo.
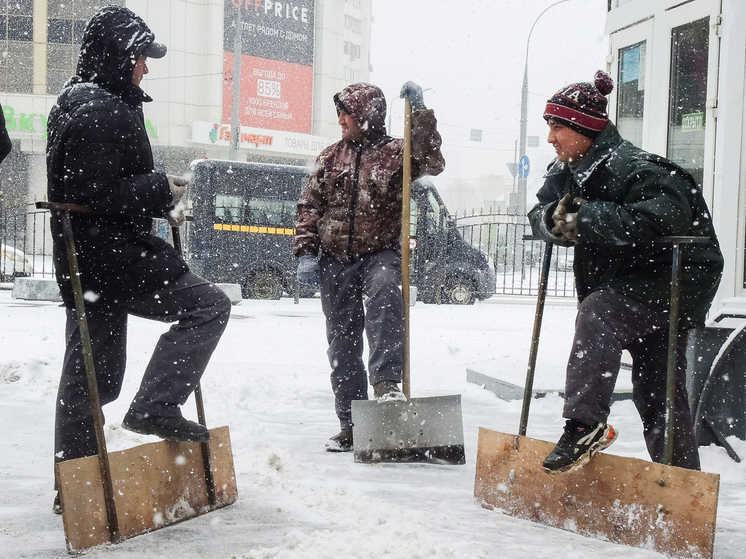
<point>229,209</point>
<point>631,92</point>
<point>20,28</point>
<point>55,80</point>
<point>59,31</point>
<point>272,212</point>
<point>413,218</point>
<point>688,97</point>
<point>20,7</point>
<point>3,28</point>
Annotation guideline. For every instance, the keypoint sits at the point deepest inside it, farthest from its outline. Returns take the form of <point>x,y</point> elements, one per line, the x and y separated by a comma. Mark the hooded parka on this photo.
<point>99,155</point>
<point>632,198</point>
<point>353,201</point>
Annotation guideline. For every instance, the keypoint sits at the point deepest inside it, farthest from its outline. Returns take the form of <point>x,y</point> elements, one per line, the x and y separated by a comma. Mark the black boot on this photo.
<point>173,428</point>
<point>341,442</point>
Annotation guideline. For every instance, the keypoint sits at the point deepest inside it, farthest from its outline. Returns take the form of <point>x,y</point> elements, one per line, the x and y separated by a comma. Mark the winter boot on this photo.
<point>577,445</point>
<point>341,442</point>
<point>388,391</point>
<point>173,428</point>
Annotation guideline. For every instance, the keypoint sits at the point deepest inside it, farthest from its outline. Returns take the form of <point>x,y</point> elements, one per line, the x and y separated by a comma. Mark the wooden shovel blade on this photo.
<point>155,485</point>
<point>416,430</point>
<point>623,500</point>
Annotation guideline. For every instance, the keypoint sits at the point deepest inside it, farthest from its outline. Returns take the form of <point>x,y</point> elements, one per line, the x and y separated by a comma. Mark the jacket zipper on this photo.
<point>353,201</point>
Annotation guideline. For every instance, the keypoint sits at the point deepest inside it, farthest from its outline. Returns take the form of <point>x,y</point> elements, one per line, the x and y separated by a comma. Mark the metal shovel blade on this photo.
<point>426,430</point>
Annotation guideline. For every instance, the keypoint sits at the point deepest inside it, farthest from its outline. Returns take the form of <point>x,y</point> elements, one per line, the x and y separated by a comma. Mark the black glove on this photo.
<point>308,270</point>
<point>413,92</point>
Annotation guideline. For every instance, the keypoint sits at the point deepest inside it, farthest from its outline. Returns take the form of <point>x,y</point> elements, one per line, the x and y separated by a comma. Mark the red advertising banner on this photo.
<point>276,87</point>
<point>274,95</point>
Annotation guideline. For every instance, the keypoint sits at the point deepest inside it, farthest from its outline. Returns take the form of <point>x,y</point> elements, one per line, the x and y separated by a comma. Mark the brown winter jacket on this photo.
<point>352,203</point>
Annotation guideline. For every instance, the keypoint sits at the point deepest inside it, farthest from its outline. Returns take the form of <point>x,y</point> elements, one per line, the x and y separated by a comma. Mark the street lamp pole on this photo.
<point>522,181</point>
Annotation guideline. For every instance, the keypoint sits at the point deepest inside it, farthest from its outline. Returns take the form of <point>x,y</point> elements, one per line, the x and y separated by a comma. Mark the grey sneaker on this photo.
<point>388,391</point>
<point>341,442</point>
<point>173,428</point>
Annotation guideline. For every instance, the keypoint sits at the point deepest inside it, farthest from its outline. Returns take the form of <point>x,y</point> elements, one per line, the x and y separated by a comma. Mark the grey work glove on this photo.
<point>565,218</point>
<point>413,92</point>
<point>309,271</point>
<point>178,186</point>
<point>175,215</point>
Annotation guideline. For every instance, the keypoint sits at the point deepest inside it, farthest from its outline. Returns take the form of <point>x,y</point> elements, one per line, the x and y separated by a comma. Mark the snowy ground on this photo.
<point>269,382</point>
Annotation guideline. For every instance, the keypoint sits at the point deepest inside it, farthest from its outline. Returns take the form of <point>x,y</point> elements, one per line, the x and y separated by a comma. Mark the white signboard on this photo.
<point>259,139</point>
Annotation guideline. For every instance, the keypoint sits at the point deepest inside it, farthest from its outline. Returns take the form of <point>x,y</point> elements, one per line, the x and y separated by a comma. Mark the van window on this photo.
<point>271,212</point>
<point>433,217</point>
<point>229,209</point>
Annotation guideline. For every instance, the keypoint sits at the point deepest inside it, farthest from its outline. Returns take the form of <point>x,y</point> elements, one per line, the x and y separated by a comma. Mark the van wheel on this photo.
<point>459,290</point>
<point>262,284</point>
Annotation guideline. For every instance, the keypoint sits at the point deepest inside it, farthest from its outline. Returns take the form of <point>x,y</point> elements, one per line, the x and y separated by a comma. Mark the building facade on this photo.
<point>680,70</point>
<point>295,54</point>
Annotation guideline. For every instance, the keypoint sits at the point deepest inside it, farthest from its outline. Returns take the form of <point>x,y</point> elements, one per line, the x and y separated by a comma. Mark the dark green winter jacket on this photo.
<point>634,197</point>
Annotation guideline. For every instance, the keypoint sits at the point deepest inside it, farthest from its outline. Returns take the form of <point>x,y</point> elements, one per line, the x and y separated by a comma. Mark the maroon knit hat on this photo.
<point>582,106</point>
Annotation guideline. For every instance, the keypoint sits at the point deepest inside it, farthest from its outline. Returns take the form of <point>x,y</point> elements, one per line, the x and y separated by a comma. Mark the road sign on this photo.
<point>513,168</point>
<point>523,167</point>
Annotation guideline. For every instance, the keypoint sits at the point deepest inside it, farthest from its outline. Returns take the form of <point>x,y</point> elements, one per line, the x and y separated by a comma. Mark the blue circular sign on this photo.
<point>524,166</point>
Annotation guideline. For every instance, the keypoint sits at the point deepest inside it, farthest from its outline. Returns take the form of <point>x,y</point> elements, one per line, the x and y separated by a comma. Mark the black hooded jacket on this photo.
<point>99,155</point>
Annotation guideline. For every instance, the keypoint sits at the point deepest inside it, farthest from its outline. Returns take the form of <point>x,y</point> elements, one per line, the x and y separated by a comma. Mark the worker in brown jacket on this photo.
<point>349,215</point>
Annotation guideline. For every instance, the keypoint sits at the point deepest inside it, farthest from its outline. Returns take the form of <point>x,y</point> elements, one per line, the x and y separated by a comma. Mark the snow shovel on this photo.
<point>623,500</point>
<point>108,498</point>
<point>428,430</point>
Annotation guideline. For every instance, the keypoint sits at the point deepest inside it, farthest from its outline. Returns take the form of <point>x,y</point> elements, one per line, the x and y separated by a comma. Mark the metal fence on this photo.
<point>517,262</point>
<point>27,250</point>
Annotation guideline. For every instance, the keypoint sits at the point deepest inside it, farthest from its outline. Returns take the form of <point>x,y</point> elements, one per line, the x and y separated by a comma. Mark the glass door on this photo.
<point>687,115</point>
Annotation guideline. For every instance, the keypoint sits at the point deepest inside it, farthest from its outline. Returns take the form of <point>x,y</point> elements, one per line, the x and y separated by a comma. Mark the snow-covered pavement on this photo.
<point>269,382</point>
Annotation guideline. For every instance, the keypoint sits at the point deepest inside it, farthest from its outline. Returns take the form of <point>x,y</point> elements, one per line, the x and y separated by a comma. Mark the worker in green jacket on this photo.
<point>611,201</point>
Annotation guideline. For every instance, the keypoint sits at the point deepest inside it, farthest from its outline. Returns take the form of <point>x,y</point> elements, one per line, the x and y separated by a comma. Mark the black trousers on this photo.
<point>608,323</point>
<point>199,311</point>
<point>362,296</point>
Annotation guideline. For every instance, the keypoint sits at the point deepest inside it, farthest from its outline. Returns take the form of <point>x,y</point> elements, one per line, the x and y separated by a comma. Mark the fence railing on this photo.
<point>500,237</point>
<point>516,262</point>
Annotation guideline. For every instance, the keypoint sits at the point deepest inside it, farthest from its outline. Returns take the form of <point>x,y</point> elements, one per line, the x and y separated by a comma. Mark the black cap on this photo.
<point>155,50</point>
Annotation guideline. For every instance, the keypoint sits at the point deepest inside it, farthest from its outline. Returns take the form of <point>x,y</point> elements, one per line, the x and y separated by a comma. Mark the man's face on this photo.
<point>570,145</point>
<point>350,128</point>
<point>141,68</point>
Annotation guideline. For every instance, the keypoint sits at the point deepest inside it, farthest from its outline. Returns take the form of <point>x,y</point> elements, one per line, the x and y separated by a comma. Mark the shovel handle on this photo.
<point>63,210</point>
<point>405,218</point>
<point>534,349</point>
<point>205,447</point>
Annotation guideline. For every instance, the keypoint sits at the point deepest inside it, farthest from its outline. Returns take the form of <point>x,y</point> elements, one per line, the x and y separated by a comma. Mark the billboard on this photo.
<point>276,63</point>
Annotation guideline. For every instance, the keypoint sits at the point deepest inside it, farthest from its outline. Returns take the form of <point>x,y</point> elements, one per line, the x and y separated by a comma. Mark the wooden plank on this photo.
<point>155,485</point>
<point>623,500</point>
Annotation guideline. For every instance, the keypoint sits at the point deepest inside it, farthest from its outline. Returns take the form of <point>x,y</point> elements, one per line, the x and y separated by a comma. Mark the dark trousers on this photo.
<point>199,311</point>
<point>608,323</point>
<point>362,296</point>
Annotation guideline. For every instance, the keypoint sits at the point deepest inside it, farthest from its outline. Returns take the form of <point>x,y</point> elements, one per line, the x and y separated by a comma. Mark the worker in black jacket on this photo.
<point>611,200</point>
<point>99,155</point>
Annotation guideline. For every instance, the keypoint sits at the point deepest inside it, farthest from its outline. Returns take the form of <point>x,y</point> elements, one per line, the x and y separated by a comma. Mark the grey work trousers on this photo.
<point>362,296</point>
<point>607,323</point>
<point>199,311</point>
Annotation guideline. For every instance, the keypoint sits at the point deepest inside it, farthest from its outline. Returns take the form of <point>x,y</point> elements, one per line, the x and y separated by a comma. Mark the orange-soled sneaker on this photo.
<point>577,445</point>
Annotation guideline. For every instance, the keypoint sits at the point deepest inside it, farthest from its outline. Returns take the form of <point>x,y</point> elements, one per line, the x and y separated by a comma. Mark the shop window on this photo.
<point>16,44</point>
<point>631,92</point>
<point>65,25</point>
<point>687,115</point>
